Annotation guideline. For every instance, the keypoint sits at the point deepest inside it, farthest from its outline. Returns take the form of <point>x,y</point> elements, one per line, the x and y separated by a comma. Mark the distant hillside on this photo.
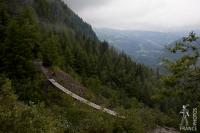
<point>144,46</point>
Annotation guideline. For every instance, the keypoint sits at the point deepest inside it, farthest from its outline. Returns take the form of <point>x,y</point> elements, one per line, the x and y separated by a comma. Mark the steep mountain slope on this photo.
<point>63,41</point>
<point>48,31</point>
<point>144,46</point>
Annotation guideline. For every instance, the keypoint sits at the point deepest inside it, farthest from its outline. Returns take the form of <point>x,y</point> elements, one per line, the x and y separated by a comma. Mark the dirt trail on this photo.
<point>91,104</point>
<point>71,87</point>
<point>68,85</point>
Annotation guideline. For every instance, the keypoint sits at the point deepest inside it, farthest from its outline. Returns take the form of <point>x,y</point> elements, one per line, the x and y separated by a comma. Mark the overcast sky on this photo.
<point>155,15</point>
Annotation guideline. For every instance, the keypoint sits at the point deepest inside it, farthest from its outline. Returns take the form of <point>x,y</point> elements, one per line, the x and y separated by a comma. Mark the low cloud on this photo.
<point>79,5</point>
<point>157,15</point>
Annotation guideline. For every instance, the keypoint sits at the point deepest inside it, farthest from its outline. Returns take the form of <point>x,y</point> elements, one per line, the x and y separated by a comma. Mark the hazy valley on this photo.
<point>146,47</point>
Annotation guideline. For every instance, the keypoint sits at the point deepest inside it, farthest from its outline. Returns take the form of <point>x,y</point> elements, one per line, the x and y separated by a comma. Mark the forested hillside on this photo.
<point>48,31</point>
